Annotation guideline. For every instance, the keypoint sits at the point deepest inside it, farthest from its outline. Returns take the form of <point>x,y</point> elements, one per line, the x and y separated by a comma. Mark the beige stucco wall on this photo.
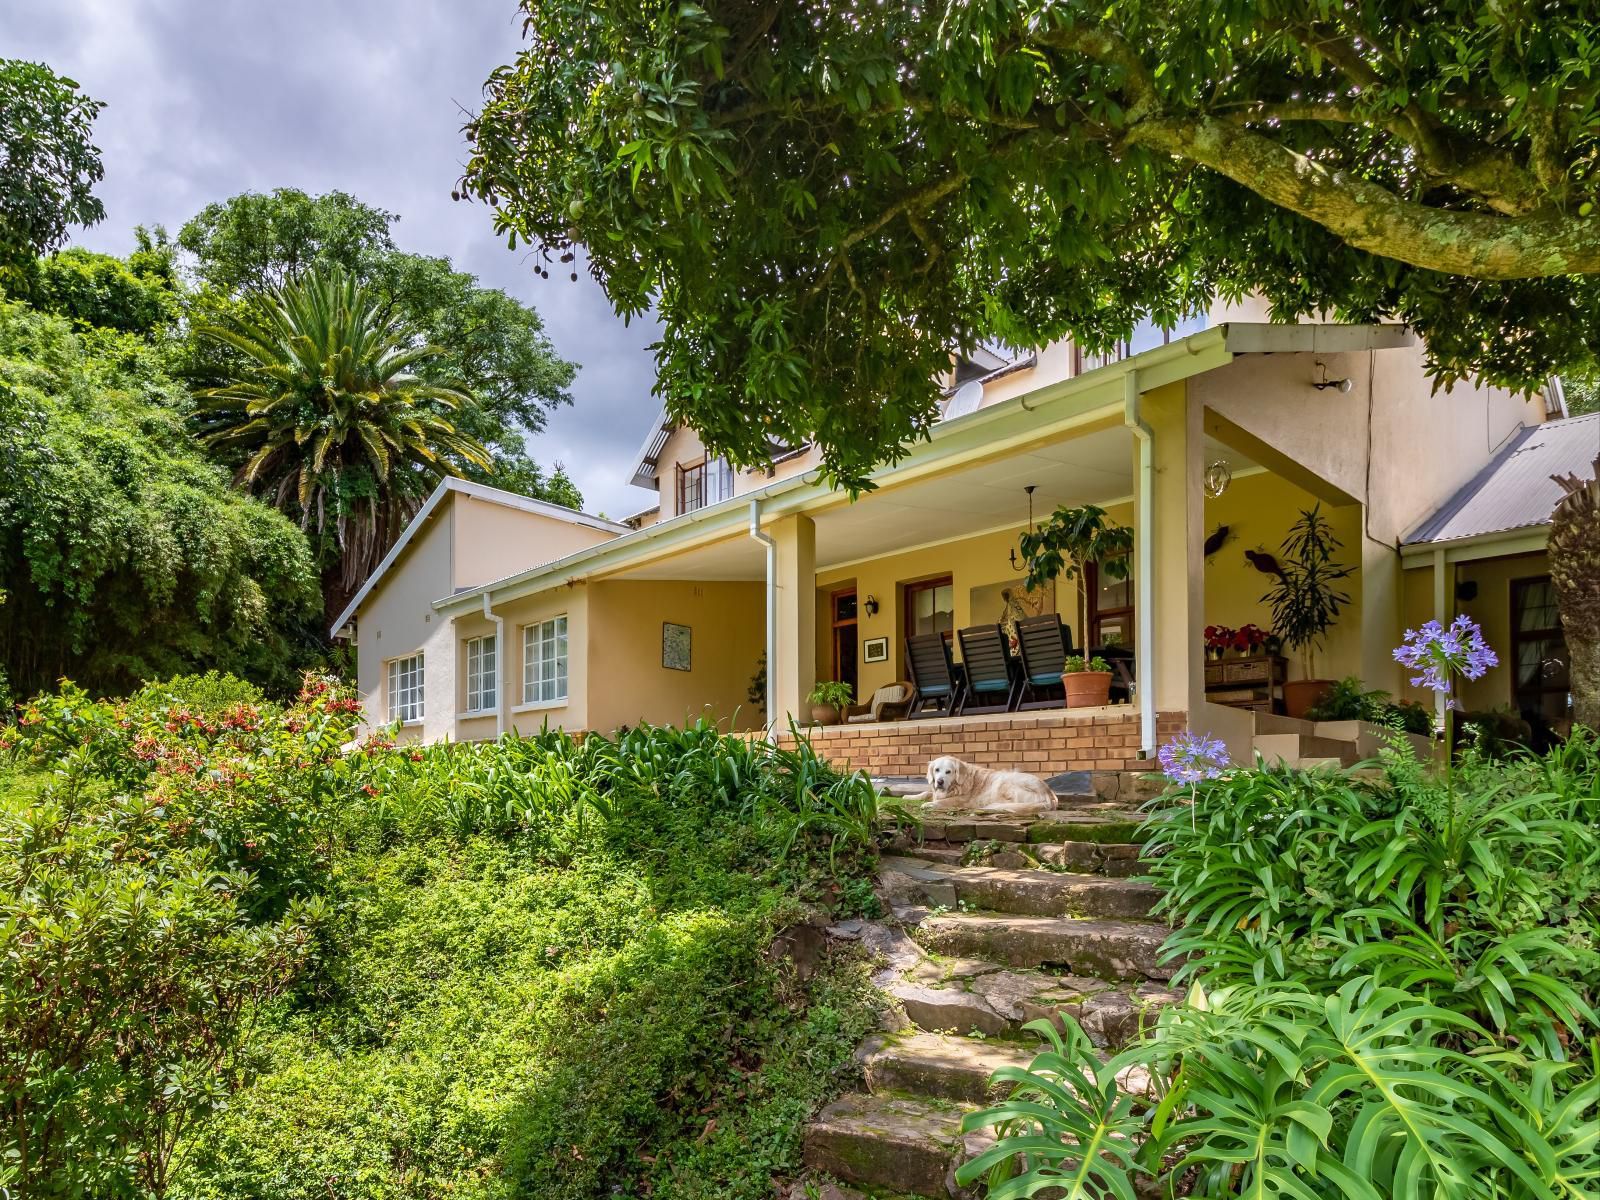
<point>494,540</point>
<point>571,714</point>
<point>1423,445</point>
<point>397,620</point>
<point>627,683</point>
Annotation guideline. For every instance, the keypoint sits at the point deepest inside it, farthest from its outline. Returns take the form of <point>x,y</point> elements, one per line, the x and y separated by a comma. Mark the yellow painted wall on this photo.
<point>573,602</point>
<point>1490,608</point>
<point>971,562</point>
<point>628,684</point>
<point>1259,509</point>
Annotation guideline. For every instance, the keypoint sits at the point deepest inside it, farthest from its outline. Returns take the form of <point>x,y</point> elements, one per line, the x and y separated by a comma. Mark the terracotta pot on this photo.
<point>1301,694</point>
<point>824,714</point>
<point>1085,689</point>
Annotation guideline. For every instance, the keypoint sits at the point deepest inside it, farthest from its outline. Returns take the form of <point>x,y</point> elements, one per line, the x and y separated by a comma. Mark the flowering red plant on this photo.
<point>1249,638</point>
<point>1219,637</point>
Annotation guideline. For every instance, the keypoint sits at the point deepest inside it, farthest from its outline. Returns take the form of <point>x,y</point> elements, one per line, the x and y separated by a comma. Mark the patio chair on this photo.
<point>1043,643</point>
<point>891,702</point>
<point>934,676</point>
<point>993,685</point>
<point>1120,659</point>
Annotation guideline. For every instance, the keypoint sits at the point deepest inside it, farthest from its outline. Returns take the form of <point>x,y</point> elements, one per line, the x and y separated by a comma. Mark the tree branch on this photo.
<point>1371,217</point>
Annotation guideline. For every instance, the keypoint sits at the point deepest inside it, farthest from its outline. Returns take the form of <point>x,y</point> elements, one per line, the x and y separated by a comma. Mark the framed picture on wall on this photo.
<point>875,650</point>
<point>677,646</point>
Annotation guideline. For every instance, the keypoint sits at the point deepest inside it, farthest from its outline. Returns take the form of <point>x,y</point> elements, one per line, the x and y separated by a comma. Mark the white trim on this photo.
<point>421,674</point>
<point>468,710</point>
<point>543,705</point>
<point>1502,543</point>
<point>648,461</point>
<point>478,491</point>
<point>563,661</point>
<point>991,432</point>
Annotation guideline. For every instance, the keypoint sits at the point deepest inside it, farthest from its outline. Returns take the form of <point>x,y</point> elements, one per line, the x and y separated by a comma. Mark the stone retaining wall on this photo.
<point>1048,742</point>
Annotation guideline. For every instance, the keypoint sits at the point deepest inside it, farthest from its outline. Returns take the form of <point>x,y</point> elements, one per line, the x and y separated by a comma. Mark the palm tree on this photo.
<point>1575,572</point>
<point>325,419</point>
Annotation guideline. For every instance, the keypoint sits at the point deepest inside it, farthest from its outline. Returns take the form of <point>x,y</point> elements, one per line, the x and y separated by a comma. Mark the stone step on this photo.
<point>1110,825</point>
<point>1028,891</point>
<point>964,997</point>
<point>908,1146</point>
<point>940,1066</point>
<point>1293,748</point>
<point>1100,948</point>
<point>1118,859</point>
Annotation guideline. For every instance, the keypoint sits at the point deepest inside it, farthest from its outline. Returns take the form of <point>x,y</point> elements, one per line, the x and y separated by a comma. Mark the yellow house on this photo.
<point>1207,443</point>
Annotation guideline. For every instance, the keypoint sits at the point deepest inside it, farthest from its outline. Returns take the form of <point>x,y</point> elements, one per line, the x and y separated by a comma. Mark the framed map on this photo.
<point>677,647</point>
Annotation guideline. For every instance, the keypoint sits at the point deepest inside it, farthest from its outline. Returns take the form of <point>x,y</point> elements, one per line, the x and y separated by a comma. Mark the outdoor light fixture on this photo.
<point>1323,383</point>
<point>871,606</point>
<point>1218,476</point>
<point>1015,565</point>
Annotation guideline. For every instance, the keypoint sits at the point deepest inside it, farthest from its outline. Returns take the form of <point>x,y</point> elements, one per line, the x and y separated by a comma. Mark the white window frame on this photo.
<point>405,697</point>
<point>483,696</point>
<point>545,675</point>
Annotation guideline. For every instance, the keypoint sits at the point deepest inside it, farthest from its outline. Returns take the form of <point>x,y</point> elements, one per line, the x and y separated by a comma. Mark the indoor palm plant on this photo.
<point>1306,601</point>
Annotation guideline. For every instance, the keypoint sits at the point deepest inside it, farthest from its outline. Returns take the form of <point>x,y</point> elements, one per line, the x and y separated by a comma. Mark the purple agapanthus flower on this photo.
<point>1191,757</point>
<point>1438,654</point>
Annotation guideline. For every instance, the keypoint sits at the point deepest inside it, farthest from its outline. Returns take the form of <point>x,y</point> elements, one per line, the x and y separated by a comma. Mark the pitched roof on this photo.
<point>1515,491</point>
<point>478,491</point>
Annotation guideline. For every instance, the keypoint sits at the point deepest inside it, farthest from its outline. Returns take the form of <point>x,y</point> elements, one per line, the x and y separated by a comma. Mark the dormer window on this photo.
<point>703,483</point>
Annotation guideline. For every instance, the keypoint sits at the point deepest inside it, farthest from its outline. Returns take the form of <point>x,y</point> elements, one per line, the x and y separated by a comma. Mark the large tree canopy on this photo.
<point>824,198</point>
<point>48,165</point>
<point>491,347</point>
<point>124,553</point>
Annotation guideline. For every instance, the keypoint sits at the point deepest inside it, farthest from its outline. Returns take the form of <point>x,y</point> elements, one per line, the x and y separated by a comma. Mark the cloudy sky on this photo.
<point>207,98</point>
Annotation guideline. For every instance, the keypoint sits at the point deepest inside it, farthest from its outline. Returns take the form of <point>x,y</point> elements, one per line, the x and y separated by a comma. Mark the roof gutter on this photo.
<point>772,614</point>
<point>1144,570</point>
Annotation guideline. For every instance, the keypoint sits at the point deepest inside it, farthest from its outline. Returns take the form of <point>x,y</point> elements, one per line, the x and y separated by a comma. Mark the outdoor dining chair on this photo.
<point>993,684</point>
<point>935,676</point>
<point>1043,643</point>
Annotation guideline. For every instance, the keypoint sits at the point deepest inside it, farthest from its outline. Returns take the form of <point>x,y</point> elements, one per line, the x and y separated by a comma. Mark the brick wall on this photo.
<point>1048,742</point>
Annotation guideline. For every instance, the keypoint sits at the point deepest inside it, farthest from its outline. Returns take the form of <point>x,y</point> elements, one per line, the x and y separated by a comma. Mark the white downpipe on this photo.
<point>1144,655</point>
<point>772,615</point>
<point>499,657</point>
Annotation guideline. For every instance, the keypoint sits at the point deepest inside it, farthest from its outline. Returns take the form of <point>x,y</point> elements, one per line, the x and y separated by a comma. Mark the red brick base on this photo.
<point>1047,742</point>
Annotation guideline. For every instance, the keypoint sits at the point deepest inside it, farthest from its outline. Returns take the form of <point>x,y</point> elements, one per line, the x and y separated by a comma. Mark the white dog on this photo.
<point>954,785</point>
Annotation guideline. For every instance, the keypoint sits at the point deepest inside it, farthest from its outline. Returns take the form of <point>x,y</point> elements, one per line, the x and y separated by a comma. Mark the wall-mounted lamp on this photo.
<point>871,606</point>
<point>1322,383</point>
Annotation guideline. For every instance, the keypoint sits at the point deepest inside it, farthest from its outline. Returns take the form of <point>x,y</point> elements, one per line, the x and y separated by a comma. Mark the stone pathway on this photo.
<point>996,923</point>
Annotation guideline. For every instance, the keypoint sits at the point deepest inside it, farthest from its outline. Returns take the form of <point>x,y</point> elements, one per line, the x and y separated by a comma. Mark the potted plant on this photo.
<point>1218,639</point>
<point>828,702</point>
<point>1306,601</point>
<point>1087,683</point>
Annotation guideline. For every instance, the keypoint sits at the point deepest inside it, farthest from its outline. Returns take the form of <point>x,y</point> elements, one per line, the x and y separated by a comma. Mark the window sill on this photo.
<point>415,723</point>
<point>539,705</point>
<point>473,714</point>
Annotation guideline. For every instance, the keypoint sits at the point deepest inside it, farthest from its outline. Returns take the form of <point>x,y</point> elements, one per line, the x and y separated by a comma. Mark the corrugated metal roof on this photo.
<point>1515,490</point>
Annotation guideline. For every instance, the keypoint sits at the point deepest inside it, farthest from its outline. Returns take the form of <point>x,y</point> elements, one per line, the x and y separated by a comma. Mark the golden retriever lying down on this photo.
<point>956,786</point>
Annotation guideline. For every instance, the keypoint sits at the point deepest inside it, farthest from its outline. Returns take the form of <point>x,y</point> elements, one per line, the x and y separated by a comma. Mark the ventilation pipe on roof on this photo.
<point>1144,662</point>
<point>499,657</point>
<point>772,614</point>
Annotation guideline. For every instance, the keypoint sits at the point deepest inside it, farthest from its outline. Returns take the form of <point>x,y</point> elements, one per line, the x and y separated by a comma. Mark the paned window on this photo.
<point>544,661</point>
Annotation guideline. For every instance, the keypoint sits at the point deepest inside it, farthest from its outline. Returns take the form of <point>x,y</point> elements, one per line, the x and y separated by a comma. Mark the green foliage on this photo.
<point>156,888</point>
<point>824,200</point>
<point>48,165</point>
<point>1076,663</point>
<point>1393,992</point>
<point>1305,601</point>
<point>124,555</point>
<point>1349,700</point>
<point>833,694</point>
<point>138,295</point>
<point>1072,539</point>
<point>330,421</point>
<point>490,346</point>
<point>538,967</point>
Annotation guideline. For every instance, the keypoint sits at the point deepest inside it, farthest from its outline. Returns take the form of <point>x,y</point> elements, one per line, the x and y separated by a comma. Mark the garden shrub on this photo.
<point>538,967</point>
<point>1392,991</point>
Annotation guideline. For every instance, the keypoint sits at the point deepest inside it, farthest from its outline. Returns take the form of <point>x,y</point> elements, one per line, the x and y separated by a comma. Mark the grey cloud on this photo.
<point>206,98</point>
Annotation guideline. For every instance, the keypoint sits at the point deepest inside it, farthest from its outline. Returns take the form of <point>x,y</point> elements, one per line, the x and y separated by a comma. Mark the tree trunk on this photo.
<point>1575,572</point>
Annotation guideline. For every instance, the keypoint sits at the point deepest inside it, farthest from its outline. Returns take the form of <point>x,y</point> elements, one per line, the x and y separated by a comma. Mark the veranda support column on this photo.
<point>1178,535</point>
<point>794,669</point>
